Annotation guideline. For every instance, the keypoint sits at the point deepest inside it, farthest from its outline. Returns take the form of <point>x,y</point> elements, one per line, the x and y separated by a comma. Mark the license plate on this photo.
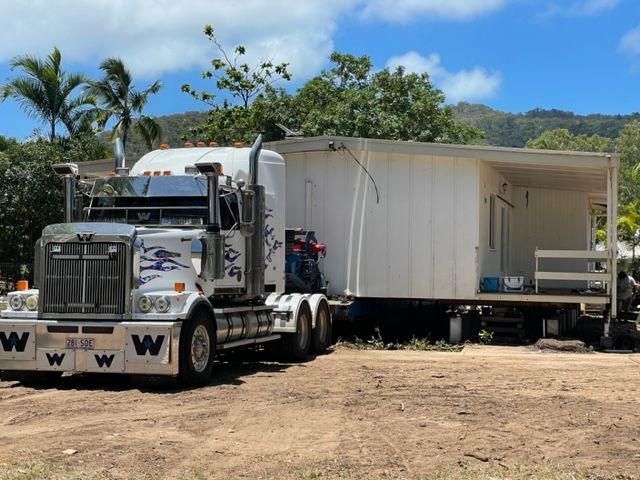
<point>80,343</point>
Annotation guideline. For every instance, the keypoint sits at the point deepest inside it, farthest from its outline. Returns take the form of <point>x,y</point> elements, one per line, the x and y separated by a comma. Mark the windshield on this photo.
<point>178,200</point>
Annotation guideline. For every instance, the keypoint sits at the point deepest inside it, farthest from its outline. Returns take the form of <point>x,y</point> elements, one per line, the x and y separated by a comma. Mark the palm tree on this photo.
<point>119,98</point>
<point>45,92</point>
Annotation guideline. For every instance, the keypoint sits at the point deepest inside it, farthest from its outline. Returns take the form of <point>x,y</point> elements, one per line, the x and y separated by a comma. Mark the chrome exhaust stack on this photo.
<point>255,242</point>
<point>212,240</point>
<point>69,173</point>
<point>118,152</point>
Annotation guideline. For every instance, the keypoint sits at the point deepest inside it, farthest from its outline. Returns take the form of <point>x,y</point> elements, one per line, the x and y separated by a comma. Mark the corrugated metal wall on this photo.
<point>419,241</point>
<point>549,219</point>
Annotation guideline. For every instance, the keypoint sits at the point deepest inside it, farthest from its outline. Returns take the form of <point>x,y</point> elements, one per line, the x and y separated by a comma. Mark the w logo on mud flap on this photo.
<point>55,359</point>
<point>103,360</point>
<point>13,341</point>
<point>147,344</point>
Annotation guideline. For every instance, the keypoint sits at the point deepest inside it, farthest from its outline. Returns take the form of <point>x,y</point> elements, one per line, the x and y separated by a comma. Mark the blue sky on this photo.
<point>513,55</point>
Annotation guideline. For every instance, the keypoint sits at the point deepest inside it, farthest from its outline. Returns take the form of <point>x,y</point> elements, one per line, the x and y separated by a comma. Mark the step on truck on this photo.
<point>167,265</point>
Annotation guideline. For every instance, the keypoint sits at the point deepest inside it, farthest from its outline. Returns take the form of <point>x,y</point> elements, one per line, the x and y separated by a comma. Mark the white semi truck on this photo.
<point>169,264</point>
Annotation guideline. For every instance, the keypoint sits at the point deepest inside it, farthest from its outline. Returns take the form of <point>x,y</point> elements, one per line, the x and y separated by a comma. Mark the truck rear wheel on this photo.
<point>321,335</point>
<point>197,349</point>
<point>295,346</point>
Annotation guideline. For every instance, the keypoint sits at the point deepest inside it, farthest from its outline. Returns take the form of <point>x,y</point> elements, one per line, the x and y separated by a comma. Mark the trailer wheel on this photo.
<point>625,342</point>
<point>321,335</point>
<point>197,349</point>
<point>295,346</point>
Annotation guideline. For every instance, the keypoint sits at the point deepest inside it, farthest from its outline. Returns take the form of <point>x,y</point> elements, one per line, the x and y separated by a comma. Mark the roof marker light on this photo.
<point>188,144</point>
<point>166,172</point>
<point>164,146</point>
<point>237,144</point>
<point>200,143</point>
<point>213,143</point>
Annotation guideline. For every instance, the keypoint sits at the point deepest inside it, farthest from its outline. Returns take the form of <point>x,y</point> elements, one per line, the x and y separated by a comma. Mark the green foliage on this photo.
<point>119,98</point>
<point>348,99</point>
<point>516,129</point>
<point>485,336</point>
<point>242,83</point>
<point>562,139</point>
<point>6,143</point>
<point>31,195</point>
<point>46,92</point>
<point>352,100</point>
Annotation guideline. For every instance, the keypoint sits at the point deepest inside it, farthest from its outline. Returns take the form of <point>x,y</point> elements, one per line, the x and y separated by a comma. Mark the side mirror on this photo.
<point>248,214</point>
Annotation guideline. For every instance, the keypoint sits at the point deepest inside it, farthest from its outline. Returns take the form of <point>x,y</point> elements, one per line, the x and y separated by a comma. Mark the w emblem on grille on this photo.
<point>85,237</point>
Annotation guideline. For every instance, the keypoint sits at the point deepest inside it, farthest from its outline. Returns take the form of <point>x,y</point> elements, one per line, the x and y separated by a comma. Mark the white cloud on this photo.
<point>472,84</point>
<point>403,10</point>
<point>580,8</point>
<point>158,36</point>
<point>630,42</point>
<point>591,7</point>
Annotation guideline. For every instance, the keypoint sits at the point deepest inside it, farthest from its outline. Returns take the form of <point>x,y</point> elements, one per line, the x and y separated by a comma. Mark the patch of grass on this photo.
<point>35,470</point>
<point>520,472</point>
<point>376,342</point>
<point>485,336</point>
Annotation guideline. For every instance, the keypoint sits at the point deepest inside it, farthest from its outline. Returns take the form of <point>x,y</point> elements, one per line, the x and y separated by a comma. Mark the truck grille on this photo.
<point>84,278</point>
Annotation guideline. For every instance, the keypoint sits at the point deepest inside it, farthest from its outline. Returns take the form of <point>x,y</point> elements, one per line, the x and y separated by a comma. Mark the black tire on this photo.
<point>295,346</point>
<point>625,342</point>
<point>321,335</point>
<point>197,349</point>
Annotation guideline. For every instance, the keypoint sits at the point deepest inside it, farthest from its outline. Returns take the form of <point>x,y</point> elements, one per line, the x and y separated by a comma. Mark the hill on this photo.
<point>173,127</point>
<point>501,128</point>
<point>515,129</point>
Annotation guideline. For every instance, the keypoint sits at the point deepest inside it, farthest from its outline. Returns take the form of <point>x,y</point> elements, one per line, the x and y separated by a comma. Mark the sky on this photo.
<point>512,55</point>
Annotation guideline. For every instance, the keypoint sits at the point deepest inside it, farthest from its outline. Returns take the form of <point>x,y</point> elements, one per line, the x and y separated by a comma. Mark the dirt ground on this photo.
<point>486,412</point>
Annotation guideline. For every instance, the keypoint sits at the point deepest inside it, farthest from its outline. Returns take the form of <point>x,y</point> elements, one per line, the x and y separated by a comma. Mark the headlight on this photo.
<point>162,304</point>
<point>16,302</point>
<point>32,302</point>
<point>144,304</point>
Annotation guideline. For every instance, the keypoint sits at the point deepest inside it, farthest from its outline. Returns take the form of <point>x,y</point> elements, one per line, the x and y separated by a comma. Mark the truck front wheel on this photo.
<point>197,348</point>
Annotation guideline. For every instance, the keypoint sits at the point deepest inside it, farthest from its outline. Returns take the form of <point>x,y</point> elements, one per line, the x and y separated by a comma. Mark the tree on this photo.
<point>350,99</point>
<point>45,92</point>
<point>30,197</point>
<point>562,139</point>
<point>235,118</point>
<point>119,98</point>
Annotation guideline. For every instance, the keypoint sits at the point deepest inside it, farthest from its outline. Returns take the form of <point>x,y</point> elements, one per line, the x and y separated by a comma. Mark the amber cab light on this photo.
<point>164,146</point>
<point>22,285</point>
<point>178,287</point>
<point>213,143</point>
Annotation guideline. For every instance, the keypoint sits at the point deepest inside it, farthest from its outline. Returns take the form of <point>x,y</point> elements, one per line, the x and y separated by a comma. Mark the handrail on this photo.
<point>574,254</point>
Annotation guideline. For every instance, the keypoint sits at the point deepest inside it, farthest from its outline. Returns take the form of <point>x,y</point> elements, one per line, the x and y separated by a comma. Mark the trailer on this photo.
<point>172,262</point>
<point>507,228</point>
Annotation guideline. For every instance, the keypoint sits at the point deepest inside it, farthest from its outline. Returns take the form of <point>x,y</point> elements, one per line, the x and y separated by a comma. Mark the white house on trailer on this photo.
<point>412,220</point>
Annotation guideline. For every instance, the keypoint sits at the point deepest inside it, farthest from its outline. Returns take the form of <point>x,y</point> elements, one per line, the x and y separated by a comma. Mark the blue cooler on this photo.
<point>490,284</point>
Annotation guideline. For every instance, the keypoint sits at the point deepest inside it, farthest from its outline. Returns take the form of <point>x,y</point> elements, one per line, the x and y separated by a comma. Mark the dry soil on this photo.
<point>487,412</point>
